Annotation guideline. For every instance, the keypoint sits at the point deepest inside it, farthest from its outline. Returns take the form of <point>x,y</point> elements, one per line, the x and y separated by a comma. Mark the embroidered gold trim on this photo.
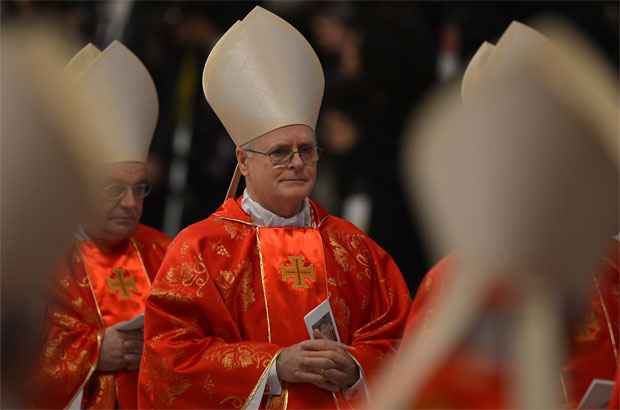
<point>260,379</point>
<point>609,326</point>
<point>135,245</point>
<point>236,220</point>
<point>262,279</point>
<point>564,388</point>
<point>285,398</point>
<point>92,292</point>
<point>88,375</point>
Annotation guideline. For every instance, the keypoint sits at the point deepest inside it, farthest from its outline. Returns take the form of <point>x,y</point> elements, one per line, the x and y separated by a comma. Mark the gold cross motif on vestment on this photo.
<point>121,284</point>
<point>297,271</point>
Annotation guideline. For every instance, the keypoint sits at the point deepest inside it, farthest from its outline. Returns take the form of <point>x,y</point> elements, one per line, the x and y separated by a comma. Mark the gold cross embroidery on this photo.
<point>297,271</point>
<point>121,284</point>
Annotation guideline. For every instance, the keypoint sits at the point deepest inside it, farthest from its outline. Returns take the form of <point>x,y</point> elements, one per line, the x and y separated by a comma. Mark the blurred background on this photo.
<point>380,60</point>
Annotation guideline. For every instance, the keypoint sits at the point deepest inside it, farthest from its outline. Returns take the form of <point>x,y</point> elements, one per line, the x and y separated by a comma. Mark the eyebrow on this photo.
<point>113,181</point>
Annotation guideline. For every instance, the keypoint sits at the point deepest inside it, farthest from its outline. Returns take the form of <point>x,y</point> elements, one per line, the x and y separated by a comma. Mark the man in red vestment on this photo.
<point>86,360</point>
<point>225,319</point>
<point>471,377</point>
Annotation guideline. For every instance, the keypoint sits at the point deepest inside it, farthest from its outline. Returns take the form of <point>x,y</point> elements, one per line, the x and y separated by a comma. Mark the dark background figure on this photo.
<point>380,60</point>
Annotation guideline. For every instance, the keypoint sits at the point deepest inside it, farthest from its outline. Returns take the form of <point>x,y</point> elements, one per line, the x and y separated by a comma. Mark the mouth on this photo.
<point>297,180</point>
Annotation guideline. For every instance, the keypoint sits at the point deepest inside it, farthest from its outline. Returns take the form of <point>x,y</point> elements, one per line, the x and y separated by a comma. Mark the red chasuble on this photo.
<point>230,295</point>
<point>593,348</point>
<point>94,290</point>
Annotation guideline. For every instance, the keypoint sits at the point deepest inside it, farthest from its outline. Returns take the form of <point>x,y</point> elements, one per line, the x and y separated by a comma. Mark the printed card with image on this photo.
<point>321,318</point>
<point>598,395</point>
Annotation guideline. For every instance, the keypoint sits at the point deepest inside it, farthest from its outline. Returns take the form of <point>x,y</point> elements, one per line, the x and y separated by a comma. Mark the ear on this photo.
<point>242,159</point>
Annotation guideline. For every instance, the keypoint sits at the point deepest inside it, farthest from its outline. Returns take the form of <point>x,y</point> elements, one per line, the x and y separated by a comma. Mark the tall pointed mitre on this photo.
<point>263,75</point>
<point>82,60</point>
<point>473,74</point>
<point>123,88</point>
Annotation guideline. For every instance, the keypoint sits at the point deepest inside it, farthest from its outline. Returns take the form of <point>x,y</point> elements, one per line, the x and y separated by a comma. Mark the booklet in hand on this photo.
<point>321,318</point>
<point>132,324</point>
<point>598,395</point>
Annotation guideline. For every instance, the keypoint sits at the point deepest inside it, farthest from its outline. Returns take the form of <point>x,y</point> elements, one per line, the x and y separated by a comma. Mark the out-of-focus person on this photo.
<point>87,359</point>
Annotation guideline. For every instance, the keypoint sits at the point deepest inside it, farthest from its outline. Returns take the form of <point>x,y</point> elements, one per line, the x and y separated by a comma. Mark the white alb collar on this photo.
<point>264,217</point>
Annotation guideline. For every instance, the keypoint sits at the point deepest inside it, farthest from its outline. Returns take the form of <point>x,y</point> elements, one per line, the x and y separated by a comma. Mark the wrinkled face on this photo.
<point>281,189</point>
<point>119,207</point>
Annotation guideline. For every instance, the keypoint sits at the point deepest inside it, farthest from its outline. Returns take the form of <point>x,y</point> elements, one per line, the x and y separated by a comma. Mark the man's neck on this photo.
<point>263,216</point>
<point>107,245</point>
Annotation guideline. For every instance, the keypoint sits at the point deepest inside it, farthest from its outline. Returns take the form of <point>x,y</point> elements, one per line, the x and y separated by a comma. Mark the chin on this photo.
<point>122,231</point>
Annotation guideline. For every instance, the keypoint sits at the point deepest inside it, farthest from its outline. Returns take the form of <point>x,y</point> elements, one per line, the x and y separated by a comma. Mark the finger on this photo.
<point>339,358</point>
<point>138,337</point>
<point>132,361</point>
<point>316,364</point>
<point>132,346</point>
<point>302,376</point>
<point>338,378</point>
<point>328,386</point>
<point>321,344</point>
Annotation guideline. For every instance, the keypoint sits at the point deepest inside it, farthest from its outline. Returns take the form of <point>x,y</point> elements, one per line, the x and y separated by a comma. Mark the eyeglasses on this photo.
<point>114,192</point>
<point>282,156</point>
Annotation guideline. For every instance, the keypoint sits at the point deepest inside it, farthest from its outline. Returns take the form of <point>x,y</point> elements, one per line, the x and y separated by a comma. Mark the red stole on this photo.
<point>120,285</point>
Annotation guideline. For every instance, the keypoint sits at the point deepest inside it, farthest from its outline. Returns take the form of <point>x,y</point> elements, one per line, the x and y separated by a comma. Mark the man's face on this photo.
<point>281,189</point>
<point>119,206</point>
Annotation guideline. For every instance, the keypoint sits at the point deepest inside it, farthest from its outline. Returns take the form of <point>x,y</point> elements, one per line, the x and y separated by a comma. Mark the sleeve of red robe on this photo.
<point>71,342</point>
<point>184,365</point>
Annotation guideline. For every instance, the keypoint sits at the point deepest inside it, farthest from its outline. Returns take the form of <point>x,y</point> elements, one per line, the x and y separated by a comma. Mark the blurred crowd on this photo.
<point>380,60</point>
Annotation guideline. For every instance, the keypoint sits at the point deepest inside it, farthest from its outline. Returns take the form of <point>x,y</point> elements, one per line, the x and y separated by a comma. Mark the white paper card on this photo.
<point>321,318</point>
<point>133,324</point>
<point>598,395</point>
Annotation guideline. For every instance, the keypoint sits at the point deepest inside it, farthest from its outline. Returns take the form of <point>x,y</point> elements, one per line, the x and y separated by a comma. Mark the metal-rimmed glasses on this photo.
<point>116,191</point>
<point>282,156</point>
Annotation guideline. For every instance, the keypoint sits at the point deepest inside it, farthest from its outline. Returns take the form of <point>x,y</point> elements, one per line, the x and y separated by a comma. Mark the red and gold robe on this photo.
<point>593,348</point>
<point>230,295</point>
<point>94,290</point>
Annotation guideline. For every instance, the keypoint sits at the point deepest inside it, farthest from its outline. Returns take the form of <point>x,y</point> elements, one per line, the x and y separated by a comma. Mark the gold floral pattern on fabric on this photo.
<point>76,365</point>
<point>84,283</point>
<point>235,230</point>
<point>238,357</point>
<point>590,330</point>
<point>297,270</point>
<point>184,249</point>
<point>194,275</point>
<point>232,402</point>
<point>225,281</point>
<point>220,249</point>
<point>78,302</point>
<point>64,283</point>
<point>171,295</point>
<point>65,320</point>
<point>247,292</point>
<point>340,253</point>
<point>342,312</point>
<point>171,384</point>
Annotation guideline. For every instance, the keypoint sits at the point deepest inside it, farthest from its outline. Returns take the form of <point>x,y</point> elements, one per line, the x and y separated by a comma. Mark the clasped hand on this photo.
<point>120,350</point>
<point>321,362</point>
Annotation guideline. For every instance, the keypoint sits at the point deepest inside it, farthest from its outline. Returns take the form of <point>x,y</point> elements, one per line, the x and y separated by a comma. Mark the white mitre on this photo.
<point>473,74</point>
<point>262,75</point>
<point>121,85</point>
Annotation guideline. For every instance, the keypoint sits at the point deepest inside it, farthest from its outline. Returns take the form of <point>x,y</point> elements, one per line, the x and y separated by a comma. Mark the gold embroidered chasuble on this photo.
<point>94,290</point>
<point>230,295</point>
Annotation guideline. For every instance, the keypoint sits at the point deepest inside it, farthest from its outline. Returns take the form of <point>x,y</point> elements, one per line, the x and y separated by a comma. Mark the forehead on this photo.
<point>129,172</point>
<point>289,135</point>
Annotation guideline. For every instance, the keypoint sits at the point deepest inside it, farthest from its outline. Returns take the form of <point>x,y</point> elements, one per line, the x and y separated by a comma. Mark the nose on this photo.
<point>128,200</point>
<point>296,161</point>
